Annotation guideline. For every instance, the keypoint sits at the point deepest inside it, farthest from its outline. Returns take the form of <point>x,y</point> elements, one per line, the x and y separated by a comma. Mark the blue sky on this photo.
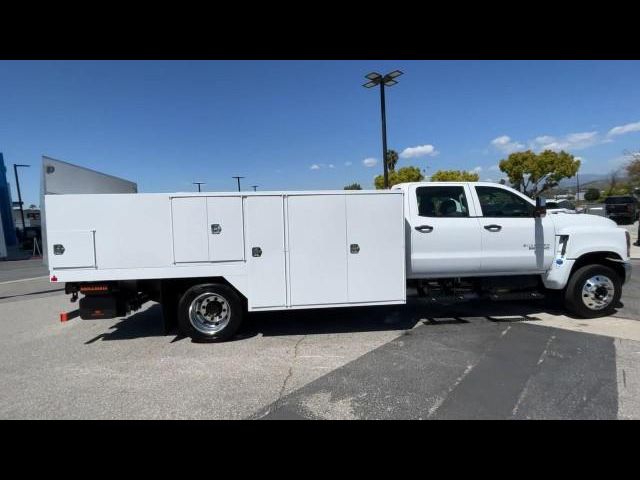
<point>307,125</point>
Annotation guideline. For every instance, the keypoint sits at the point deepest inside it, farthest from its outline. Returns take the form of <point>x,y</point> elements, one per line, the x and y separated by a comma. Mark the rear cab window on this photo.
<point>442,201</point>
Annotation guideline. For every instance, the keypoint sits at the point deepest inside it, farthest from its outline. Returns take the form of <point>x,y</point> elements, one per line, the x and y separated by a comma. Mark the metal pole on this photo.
<point>15,171</point>
<point>384,136</point>
<point>238,179</point>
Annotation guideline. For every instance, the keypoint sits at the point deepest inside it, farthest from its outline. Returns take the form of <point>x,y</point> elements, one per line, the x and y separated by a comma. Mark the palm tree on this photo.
<point>392,159</point>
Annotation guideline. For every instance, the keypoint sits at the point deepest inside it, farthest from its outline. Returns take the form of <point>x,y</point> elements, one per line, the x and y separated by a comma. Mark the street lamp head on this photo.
<point>389,82</point>
<point>373,76</point>
<point>371,84</point>
<point>394,74</point>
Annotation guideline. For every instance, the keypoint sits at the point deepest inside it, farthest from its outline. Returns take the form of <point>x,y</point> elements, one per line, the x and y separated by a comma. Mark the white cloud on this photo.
<point>505,144</point>
<point>478,169</point>
<point>315,166</point>
<point>572,141</point>
<point>622,129</point>
<point>369,162</point>
<point>419,151</point>
<point>348,164</point>
<point>331,165</point>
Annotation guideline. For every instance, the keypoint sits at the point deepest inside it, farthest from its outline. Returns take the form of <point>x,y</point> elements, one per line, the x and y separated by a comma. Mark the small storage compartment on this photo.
<point>71,249</point>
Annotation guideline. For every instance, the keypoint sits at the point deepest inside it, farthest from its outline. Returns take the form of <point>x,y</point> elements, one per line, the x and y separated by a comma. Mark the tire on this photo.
<point>593,291</point>
<point>210,312</point>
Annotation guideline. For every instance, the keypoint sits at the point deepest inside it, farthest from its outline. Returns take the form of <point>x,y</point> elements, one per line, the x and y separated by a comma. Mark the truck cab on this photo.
<point>472,230</point>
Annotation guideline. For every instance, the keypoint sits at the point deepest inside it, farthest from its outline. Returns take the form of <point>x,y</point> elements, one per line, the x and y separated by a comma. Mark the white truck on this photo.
<point>210,257</point>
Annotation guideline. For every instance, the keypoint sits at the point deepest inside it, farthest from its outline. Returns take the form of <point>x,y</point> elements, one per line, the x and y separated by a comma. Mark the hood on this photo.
<point>564,221</point>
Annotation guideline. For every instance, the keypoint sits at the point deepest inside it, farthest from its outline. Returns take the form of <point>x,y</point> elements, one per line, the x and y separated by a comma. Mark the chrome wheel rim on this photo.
<point>209,313</point>
<point>598,292</point>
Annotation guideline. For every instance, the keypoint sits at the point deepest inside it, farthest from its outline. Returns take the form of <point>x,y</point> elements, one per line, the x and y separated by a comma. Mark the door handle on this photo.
<point>424,228</point>
<point>493,227</point>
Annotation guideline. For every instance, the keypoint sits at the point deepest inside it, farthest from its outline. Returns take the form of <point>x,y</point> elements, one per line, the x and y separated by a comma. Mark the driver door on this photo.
<point>513,241</point>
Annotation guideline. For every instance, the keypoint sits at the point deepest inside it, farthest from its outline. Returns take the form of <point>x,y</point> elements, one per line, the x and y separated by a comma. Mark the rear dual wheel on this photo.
<point>210,312</point>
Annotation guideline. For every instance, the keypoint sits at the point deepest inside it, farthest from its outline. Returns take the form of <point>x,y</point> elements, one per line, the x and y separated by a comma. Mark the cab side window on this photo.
<point>442,202</point>
<point>497,202</point>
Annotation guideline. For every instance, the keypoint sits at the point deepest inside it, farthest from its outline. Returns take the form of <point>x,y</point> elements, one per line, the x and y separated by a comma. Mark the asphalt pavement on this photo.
<point>478,360</point>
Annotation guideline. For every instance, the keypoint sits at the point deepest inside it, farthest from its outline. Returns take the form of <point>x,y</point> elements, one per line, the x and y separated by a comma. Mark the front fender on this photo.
<point>590,240</point>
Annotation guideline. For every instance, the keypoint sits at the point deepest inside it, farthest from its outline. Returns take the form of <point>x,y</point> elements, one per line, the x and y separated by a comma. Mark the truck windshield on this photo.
<point>610,200</point>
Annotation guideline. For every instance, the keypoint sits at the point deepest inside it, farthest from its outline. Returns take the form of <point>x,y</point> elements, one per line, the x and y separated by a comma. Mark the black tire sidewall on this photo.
<point>225,291</point>
<point>573,293</point>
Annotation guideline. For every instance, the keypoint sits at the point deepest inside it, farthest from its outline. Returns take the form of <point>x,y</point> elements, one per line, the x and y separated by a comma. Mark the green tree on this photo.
<point>454,176</point>
<point>592,194</point>
<point>402,175</point>
<point>392,160</point>
<point>353,186</point>
<point>533,173</point>
<point>633,167</point>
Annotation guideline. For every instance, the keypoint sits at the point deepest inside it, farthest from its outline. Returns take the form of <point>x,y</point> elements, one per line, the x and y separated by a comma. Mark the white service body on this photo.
<point>280,250</point>
<point>205,256</point>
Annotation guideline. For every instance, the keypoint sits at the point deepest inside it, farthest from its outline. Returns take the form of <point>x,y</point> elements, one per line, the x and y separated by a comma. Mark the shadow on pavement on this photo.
<point>395,317</point>
<point>148,323</point>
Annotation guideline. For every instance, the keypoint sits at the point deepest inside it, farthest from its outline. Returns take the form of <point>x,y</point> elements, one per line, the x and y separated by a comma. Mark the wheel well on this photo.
<point>180,285</point>
<point>601,258</point>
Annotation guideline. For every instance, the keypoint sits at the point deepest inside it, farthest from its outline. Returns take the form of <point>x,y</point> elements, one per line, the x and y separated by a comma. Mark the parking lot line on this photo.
<point>23,280</point>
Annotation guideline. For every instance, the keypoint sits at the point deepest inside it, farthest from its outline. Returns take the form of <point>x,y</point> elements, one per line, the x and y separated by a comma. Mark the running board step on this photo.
<point>514,296</point>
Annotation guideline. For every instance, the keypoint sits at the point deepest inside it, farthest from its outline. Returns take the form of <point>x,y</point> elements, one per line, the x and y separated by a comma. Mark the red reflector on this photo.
<point>94,288</point>
<point>54,278</point>
<point>64,317</point>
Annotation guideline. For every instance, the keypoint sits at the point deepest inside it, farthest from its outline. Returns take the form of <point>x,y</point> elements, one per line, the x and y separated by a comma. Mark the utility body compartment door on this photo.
<point>225,229</point>
<point>207,229</point>
<point>375,242</point>
<point>71,249</point>
<point>190,241</point>
<point>265,251</point>
<point>317,249</point>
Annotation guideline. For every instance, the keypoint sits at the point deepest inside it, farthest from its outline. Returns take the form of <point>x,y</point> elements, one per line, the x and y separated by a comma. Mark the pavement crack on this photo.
<point>290,372</point>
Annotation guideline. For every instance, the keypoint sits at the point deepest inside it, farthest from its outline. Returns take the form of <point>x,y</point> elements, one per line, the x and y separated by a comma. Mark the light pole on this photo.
<point>198,184</point>
<point>255,187</point>
<point>15,172</point>
<point>238,178</point>
<point>384,81</point>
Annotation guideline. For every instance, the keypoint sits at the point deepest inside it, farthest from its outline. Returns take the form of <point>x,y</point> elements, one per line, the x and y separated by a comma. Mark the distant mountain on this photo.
<point>585,178</point>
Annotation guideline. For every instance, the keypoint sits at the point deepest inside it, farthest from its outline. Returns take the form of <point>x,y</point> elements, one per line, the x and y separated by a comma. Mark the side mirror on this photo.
<point>541,207</point>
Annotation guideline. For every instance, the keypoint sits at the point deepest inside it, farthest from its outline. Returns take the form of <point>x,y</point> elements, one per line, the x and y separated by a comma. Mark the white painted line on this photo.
<point>608,326</point>
<point>24,280</point>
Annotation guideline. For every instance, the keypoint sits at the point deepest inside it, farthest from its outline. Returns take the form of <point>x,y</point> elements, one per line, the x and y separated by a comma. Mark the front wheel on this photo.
<point>593,291</point>
<point>210,312</point>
